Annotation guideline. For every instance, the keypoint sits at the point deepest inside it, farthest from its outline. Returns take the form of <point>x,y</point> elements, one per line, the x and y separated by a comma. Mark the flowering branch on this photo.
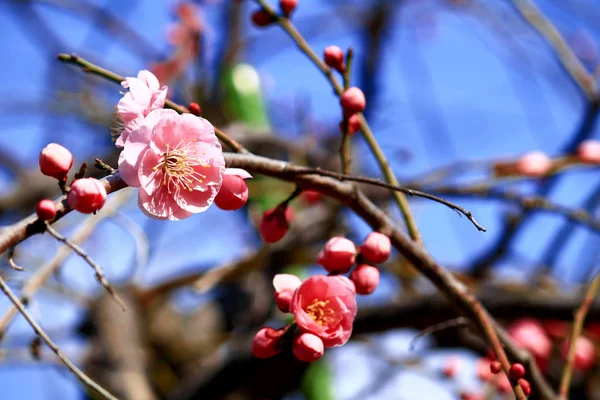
<point>580,315</point>
<point>86,380</point>
<point>388,174</point>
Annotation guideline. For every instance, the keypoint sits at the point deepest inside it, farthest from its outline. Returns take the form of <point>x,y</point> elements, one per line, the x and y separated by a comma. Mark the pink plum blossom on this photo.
<point>326,307</point>
<point>285,285</point>
<point>585,353</point>
<point>87,195</point>
<point>177,162</point>
<point>530,335</point>
<point>365,278</point>
<point>145,94</point>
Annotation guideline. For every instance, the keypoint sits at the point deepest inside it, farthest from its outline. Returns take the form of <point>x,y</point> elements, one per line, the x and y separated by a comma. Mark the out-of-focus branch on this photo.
<point>567,57</point>
<point>576,330</point>
<point>86,380</point>
<point>39,278</point>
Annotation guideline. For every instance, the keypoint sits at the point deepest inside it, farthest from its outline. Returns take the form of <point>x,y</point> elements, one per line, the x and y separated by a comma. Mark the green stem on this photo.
<point>388,174</point>
<point>578,322</point>
<point>345,146</point>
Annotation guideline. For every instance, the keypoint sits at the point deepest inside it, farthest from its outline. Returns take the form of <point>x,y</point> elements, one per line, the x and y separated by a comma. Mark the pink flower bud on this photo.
<point>338,256</point>
<point>585,353</point>
<point>233,194</point>
<point>266,342</point>
<point>589,152</point>
<point>534,164</point>
<point>516,371</point>
<point>353,124</point>
<point>285,285</point>
<point>308,347</point>
<point>495,367</point>
<point>311,196</point>
<point>288,6</point>
<point>46,210</point>
<point>334,57</point>
<point>262,18</point>
<point>353,101</point>
<point>87,195</point>
<point>376,248</point>
<point>526,386</point>
<point>451,367</point>
<point>195,108</point>
<point>365,278</point>
<point>530,335</point>
<point>55,161</point>
<point>275,224</point>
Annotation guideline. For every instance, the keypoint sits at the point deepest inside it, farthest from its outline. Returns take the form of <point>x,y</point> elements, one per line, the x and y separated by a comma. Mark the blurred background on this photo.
<point>452,86</point>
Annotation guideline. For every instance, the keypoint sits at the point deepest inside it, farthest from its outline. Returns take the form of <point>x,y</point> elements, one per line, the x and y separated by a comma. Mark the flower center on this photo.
<point>178,168</point>
<point>320,313</point>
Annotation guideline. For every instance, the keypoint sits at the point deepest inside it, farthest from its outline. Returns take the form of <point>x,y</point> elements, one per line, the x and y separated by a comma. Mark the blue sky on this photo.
<point>456,83</point>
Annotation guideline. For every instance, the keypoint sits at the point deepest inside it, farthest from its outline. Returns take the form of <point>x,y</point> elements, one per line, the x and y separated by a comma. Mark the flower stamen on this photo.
<point>320,313</point>
<point>178,167</point>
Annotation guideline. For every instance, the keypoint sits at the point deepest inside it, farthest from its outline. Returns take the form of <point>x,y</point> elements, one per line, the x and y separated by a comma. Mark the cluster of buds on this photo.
<point>262,17</point>
<point>324,306</point>
<point>86,195</point>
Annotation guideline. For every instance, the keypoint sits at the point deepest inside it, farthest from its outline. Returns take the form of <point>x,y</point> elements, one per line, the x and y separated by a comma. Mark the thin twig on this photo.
<point>576,329</point>
<point>86,380</point>
<point>93,69</point>
<point>11,261</point>
<point>81,253</point>
<point>453,323</point>
<point>384,166</point>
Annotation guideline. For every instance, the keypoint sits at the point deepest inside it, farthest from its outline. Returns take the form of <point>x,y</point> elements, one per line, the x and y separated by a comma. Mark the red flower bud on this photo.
<point>338,255</point>
<point>516,371</point>
<point>262,18</point>
<point>308,347</point>
<point>233,194</point>
<point>266,342</point>
<point>353,124</point>
<point>55,161</point>
<point>495,367</point>
<point>334,57</point>
<point>275,224</point>
<point>365,278</point>
<point>87,195</point>
<point>287,7</point>
<point>376,248</point>
<point>526,386</point>
<point>353,101</point>
<point>195,108</point>
<point>46,210</point>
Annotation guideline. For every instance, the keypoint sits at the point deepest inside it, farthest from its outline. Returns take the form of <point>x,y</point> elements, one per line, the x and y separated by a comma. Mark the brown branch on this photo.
<point>86,380</point>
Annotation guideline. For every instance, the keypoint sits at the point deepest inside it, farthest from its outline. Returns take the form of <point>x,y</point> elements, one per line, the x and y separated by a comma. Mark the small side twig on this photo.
<point>11,261</point>
<point>81,253</point>
<point>345,146</point>
<point>453,323</point>
<point>86,380</point>
<point>580,314</point>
